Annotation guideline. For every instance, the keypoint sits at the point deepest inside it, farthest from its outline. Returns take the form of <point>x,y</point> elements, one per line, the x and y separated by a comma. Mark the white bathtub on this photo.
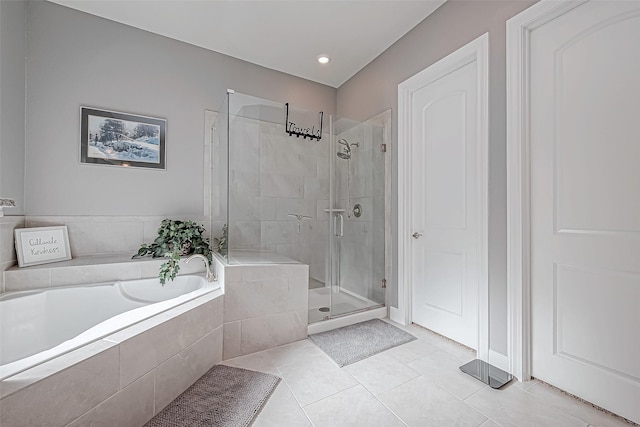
<point>36,326</point>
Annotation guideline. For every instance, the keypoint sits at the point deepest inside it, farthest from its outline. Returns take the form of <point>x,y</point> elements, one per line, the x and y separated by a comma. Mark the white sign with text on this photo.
<point>42,245</point>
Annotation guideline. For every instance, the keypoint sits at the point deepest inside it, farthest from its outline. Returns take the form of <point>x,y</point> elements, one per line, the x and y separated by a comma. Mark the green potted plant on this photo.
<point>176,239</point>
<point>221,242</point>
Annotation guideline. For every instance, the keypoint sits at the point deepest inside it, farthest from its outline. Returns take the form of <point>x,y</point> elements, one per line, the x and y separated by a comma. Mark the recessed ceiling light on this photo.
<point>324,59</point>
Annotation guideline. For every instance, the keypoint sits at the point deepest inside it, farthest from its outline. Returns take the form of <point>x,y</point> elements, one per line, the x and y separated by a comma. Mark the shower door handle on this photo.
<point>335,225</point>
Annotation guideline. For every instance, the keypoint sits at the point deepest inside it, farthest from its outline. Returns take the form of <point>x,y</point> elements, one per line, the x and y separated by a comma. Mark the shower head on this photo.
<point>346,151</point>
<point>344,154</point>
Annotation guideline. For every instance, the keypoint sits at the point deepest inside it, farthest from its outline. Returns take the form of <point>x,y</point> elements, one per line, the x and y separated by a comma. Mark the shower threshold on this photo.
<point>347,319</point>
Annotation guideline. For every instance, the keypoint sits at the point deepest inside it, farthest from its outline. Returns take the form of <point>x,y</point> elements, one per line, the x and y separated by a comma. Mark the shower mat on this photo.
<point>353,343</point>
<point>223,397</point>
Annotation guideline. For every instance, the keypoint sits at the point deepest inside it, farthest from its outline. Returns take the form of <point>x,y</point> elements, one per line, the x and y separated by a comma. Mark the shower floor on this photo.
<point>342,303</point>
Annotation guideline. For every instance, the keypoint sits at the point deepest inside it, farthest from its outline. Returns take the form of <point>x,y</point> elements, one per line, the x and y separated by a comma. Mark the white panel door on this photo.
<point>585,203</point>
<point>444,202</point>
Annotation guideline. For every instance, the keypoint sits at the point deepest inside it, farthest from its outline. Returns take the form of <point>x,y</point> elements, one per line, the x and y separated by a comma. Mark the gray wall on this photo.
<point>375,88</point>
<point>75,59</point>
<point>12,54</point>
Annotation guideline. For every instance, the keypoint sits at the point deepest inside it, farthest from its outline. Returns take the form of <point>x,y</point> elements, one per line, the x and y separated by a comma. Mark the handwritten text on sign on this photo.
<point>43,245</point>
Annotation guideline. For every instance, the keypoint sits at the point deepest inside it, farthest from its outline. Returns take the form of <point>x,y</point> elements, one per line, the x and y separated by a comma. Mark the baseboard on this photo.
<point>397,316</point>
<point>498,360</point>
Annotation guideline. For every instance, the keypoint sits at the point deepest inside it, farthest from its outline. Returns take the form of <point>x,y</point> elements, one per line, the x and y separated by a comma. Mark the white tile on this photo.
<point>100,236</point>
<point>268,208</point>
<point>64,363</point>
<point>276,185</point>
<point>244,195</point>
<point>178,373</point>
<point>444,369</point>
<point>27,278</point>
<point>245,300</point>
<point>524,385</point>
<point>458,350</point>
<point>232,273</point>
<point>298,291</point>
<point>260,272</point>
<point>95,273</point>
<point>511,406</point>
<point>131,406</point>
<point>261,333</point>
<point>296,352</point>
<point>316,188</point>
<point>281,231</point>
<point>414,350</point>
<point>259,362</point>
<point>164,340</point>
<point>421,403</point>
<point>7,246</point>
<point>315,378</point>
<point>381,372</point>
<point>62,397</point>
<point>231,340</point>
<point>353,407</point>
<point>298,165</point>
<point>575,407</point>
<point>242,233</point>
<point>281,410</point>
<point>321,206</point>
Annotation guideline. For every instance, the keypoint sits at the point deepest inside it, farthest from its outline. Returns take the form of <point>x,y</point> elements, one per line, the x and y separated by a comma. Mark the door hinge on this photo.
<point>384,283</point>
<point>383,148</point>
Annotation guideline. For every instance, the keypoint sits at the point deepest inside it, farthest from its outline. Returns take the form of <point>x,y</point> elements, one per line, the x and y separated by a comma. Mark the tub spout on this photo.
<point>211,277</point>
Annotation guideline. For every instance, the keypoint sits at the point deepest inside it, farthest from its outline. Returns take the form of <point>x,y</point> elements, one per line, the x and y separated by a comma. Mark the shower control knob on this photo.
<point>417,235</point>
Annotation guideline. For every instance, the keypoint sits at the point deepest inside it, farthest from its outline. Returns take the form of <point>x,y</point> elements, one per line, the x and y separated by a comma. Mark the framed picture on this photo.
<point>121,139</point>
<point>42,245</point>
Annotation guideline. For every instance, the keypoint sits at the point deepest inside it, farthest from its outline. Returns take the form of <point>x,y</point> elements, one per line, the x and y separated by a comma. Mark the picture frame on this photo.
<point>42,245</point>
<point>122,139</point>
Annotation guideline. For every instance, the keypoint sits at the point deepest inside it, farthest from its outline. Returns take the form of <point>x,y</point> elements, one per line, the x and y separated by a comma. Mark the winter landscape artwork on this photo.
<point>122,139</point>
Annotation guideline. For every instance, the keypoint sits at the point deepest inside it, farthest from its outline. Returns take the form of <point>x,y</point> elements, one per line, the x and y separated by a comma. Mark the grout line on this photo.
<point>389,409</point>
<point>575,399</point>
<point>473,394</point>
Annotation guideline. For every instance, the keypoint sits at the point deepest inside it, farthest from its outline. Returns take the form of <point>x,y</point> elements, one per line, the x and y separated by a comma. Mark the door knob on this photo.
<point>417,235</point>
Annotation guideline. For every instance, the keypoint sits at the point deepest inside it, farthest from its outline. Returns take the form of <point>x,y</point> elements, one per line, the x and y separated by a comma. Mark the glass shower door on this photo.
<point>357,226</point>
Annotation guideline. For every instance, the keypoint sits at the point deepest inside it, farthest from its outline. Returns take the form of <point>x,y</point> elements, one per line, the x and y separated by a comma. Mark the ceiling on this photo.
<point>286,36</point>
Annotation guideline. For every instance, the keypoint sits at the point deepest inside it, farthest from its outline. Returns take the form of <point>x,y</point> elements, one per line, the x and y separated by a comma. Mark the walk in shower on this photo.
<point>280,198</point>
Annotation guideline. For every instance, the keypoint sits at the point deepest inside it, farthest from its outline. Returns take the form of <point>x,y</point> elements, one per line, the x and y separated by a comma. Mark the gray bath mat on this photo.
<point>352,343</point>
<point>223,397</point>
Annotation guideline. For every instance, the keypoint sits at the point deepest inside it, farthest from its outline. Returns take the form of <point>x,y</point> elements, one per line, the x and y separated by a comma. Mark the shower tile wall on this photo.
<point>363,240</point>
<point>273,175</point>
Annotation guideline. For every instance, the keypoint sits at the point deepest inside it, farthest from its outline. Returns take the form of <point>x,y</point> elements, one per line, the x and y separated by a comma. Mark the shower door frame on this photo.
<point>382,121</point>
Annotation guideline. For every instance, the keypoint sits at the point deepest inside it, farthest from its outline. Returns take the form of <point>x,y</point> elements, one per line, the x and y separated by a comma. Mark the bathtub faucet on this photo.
<point>211,277</point>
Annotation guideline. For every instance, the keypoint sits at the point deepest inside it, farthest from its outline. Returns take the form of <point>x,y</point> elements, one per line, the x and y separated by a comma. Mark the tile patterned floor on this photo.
<point>416,384</point>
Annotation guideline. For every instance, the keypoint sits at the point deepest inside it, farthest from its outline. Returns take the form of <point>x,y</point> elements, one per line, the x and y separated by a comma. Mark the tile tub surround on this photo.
<point>89,269</point>
<point>7,250</point>
<point>124,378</point>
<point>101,235</point>
<point>265,306</point>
